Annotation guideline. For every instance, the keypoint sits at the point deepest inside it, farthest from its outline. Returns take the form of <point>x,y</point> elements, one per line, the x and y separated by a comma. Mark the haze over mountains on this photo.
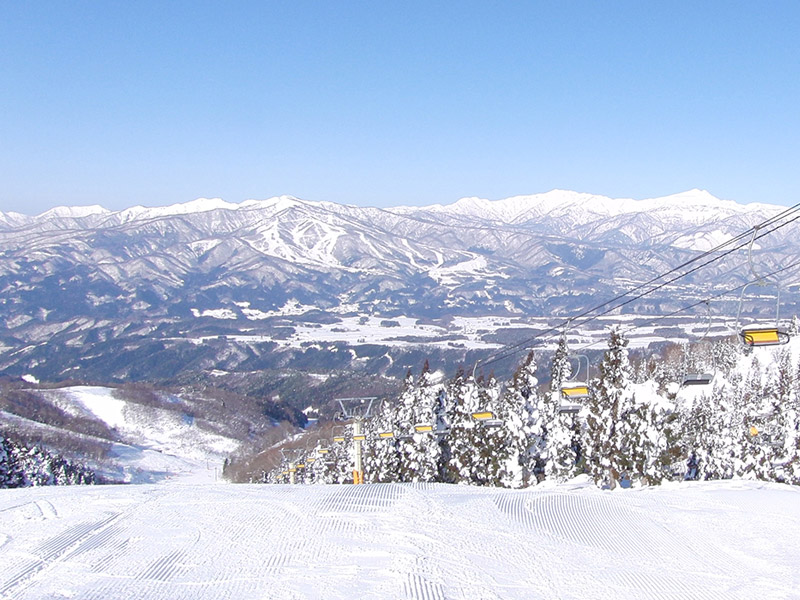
<point>215,286</point>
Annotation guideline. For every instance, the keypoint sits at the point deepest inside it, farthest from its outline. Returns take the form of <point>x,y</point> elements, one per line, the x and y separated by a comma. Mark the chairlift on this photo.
<point>761,333</point>
<point>576,389</point>
<point>690,379</point>
<point>485,415</point>
<point>757,335</point>
<point>487,418</point>
<point>765,437</point>
<point>338,435</point>
<point>435,429</point>
<point>404,432</point>
<point>698,378</point>
<point>386,435</point>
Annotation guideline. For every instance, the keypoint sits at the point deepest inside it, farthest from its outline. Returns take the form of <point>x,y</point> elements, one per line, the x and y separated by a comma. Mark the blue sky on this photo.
<point>388,103</point>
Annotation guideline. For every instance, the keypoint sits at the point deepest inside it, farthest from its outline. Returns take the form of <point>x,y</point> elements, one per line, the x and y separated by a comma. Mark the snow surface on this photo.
<point>727,539</point>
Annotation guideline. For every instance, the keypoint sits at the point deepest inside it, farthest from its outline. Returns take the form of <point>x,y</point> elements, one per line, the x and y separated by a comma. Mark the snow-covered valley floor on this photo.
<point>731,539</point>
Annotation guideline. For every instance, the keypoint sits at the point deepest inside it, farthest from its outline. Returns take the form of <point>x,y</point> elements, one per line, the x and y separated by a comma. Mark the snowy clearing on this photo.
<point>158,444</point>
<point>725,539</point>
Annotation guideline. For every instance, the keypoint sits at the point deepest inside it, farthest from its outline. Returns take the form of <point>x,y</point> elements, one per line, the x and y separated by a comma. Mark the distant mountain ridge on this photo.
<point>76,278</point>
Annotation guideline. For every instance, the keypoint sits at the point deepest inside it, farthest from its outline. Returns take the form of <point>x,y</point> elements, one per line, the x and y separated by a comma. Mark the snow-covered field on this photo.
<point>157,444</point>
<point>731,539</point>
<point>470,332</point>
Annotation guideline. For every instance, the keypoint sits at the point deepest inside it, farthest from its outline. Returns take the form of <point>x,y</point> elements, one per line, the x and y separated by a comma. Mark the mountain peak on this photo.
<point>74,212</point>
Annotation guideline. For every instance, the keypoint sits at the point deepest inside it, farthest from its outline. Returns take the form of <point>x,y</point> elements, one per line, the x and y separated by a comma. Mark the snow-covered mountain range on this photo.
<point>79,283</point>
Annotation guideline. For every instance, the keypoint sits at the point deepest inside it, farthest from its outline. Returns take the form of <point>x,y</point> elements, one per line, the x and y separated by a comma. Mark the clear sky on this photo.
<point>387,103</point>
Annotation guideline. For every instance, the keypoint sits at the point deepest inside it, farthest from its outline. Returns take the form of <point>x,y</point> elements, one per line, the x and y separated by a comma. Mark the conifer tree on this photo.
<point>785,412</point>
<point>423,449</point>
<point>406,418</point>
<point>560,369</point>
<point>728,429</point>
<point>645,438</point>
<point>492,450</point>
<point>461,397</point>
<point>559,460</point>
<point>5,465</point>
<point>315,465</point>
<point>698,439</point>
<point>21,466</point>
<point>341,457</point>
<point>606,436</point>
<point>385,453</point>
<point>752,420</point>
<point>471,442</point>
<point>521,411</point>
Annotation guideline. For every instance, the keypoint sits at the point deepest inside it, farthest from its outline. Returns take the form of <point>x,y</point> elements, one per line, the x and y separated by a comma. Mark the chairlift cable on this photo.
<point>511,350</point>
<point>704,301</point>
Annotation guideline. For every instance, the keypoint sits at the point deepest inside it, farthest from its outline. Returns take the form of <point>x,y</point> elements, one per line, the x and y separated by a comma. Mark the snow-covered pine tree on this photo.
<point>423,449</point>
<point>646,436</point>
<point>727,429</point>
<point>319,469</point>
<point>517,412</point>
<point>306,474</point>
<point>341,458</point>
<point>272,476</point>
<point>492,447</point>
<point>21,466</point>
<point>444,411</point>
<point>559,459</point>
<point>385,454</point>
<point>560,368</point>
<point>460,393</point>
<point>696,423</point>
<point>471,442</point>
<point>792,469</point>
<point>725,356</point>
<point>753,426</point>
<point>405,418</point>
<point>606,433</point>
<point>785,414</point>
<point>5,464</point>
<point>34,464</point>
<point>794,326</point>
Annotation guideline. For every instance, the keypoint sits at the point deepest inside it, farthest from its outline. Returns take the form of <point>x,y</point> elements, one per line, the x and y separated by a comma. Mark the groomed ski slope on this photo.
<point>714,540</point>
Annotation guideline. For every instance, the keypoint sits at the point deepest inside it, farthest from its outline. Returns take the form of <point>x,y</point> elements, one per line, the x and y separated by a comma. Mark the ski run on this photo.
<point>714,540</point>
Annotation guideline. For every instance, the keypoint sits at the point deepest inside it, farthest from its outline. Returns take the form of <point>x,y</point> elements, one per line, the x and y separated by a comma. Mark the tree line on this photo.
<point>637,427</point>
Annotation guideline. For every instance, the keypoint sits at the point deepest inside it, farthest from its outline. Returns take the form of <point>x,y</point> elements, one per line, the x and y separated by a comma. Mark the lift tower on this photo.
<point>357,410</point>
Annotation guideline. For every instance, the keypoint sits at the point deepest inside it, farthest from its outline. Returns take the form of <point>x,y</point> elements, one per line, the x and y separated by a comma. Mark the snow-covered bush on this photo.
<point>21,466</point>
